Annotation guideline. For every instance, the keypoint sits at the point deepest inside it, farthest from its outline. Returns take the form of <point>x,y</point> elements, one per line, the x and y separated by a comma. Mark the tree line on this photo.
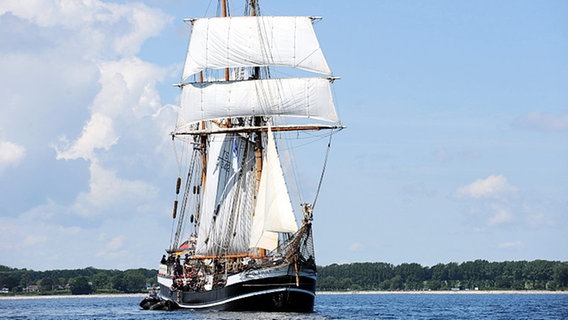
<point>470,275</point>
<point>373,276</point>
<point>78,281</point>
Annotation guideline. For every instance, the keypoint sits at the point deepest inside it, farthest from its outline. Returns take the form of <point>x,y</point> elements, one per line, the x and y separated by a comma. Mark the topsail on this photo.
<point>218,43</point>
<point>293,97</point>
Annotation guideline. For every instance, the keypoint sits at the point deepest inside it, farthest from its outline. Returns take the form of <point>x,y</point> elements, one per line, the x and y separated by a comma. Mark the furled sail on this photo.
<point>227,42</point>
<point>296,97</point>
<point>273,210</point>
<point>228,198</point>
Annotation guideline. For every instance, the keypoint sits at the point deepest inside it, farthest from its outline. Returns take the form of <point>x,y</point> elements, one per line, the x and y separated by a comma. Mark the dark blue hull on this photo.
<point>285,293</point>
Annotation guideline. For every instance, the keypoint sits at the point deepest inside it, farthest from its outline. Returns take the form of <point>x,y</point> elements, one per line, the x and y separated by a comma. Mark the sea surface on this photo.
<point>328,306</point>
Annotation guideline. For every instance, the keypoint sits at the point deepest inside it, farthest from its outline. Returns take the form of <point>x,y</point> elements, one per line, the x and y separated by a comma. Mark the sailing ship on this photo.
<point>238,242</point>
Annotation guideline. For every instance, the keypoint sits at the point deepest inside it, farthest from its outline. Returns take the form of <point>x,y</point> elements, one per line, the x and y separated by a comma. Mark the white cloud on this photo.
<point>98,133</point>
<point>10,154</point>
<point>128,93</point>
<point>490,204</point>
<point>100,102</point>
<point>107,28</point>
<point>58,238</point>
<point>128,88</point>
<point>494,186</point>
<point>108,194</point>
<point>51,243</point>
<point>499,215</point>
<point>115,243</point>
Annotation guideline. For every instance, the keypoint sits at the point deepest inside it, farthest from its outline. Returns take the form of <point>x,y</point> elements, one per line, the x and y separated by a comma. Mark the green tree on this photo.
<point>101,281</point>
<point>81,285</point>
<point>118,282</point>
<point>396,283</point>
<point>560,275</point>
<point>327,283</point>
<point>134,281</point>
<point>48,284</point>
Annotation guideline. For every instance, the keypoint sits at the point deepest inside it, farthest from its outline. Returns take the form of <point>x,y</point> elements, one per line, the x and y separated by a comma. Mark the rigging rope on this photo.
<point>323,170</point>
<point>176,240</point>
<point>179,172</point>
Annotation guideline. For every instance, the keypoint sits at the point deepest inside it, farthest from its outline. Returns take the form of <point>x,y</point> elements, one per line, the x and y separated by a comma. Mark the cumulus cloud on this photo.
<point>98,133</point>
<point>107,28</point>
<point>494,186</point>
<point>499,215</point>
<point>128,92</point>
<point>490,202</point>
<point>108,194</point>
<point>89,99</point>
<point>55,246</point>
<point>542,122</point>
<point>10,154</point>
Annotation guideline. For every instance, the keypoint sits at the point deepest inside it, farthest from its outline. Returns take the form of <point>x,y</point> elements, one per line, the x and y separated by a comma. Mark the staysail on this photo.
<point>251,41</point>
<point>273,210</point>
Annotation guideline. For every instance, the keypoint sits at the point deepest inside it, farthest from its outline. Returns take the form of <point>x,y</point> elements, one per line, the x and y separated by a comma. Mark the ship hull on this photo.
<point>260,290</point>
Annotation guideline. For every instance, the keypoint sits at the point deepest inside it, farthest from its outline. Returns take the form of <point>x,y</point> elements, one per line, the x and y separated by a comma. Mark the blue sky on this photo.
<point>456,147</point>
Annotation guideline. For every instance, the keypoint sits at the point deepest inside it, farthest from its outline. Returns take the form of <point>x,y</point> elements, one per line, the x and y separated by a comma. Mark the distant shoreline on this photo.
<point>79,296</point>
<point>142,295</point>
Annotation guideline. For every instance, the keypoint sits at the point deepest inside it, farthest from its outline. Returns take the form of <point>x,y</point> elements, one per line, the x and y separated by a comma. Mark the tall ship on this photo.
<point>239,241</point>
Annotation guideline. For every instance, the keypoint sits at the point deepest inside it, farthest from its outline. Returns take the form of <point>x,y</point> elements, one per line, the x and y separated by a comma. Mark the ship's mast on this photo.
<point>253,12</point>
<point>225,13</point>
<point>258,121</point>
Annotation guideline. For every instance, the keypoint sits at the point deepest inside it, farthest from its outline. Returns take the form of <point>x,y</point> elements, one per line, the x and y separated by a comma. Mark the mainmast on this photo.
<point>257,121</point>
<point>253,5</point>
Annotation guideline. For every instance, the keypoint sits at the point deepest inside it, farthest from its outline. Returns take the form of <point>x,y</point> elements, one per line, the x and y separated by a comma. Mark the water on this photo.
<point>329,306</point>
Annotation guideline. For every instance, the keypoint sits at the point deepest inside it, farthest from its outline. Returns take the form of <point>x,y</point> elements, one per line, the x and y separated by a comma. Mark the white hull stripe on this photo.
<point>244,296</point>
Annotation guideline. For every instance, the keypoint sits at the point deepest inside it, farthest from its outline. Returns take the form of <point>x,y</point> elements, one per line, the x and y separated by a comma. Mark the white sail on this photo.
<point>273,210</point>
<point>218,43</point>
<point>227,205</point>
<point>296,97</point>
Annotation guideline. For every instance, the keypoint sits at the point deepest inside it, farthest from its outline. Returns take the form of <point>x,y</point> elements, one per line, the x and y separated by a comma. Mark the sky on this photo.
<point>456,146</point>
